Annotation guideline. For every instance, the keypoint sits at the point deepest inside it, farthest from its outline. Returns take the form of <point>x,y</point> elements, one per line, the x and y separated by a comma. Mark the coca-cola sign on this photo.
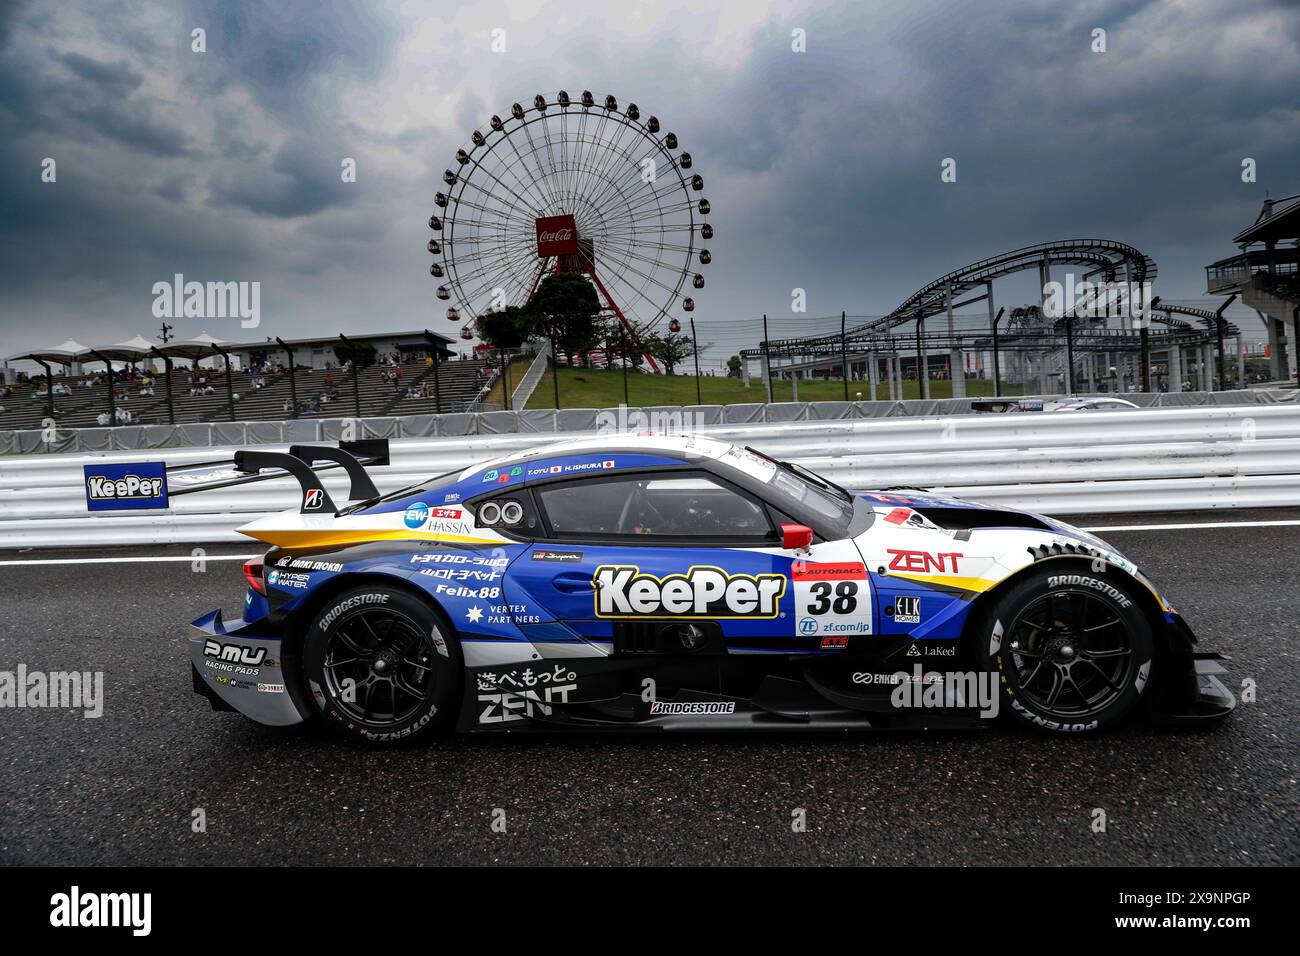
<point>556,236</point>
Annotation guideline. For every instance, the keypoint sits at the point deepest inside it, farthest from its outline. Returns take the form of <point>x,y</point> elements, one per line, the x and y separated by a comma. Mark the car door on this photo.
<point>679,561</point>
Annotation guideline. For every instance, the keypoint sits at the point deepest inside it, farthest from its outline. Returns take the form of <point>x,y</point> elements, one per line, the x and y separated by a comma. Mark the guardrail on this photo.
<point>453,424</point>
<point>1064,463</point>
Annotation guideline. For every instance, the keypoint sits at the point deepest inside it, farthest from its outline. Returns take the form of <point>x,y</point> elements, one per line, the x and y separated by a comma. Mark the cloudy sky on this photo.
<point>822,167</point>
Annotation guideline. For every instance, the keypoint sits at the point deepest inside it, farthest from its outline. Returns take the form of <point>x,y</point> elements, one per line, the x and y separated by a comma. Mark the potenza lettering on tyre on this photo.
<point>622,591</point>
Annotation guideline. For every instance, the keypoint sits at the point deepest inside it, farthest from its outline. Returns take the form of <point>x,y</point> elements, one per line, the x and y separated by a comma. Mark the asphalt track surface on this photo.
<point>121,789</point>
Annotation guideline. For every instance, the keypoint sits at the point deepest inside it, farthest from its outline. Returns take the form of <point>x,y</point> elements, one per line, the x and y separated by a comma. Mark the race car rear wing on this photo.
<point>114,486</point>
<point>1007,405</point>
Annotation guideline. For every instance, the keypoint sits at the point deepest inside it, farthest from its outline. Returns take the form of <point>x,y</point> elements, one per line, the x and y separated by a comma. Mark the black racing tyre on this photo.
<point>1072,649</point>
<point>382,665</point>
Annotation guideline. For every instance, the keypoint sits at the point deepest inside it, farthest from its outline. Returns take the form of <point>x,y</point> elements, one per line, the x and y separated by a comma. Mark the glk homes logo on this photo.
<point>179,299</point>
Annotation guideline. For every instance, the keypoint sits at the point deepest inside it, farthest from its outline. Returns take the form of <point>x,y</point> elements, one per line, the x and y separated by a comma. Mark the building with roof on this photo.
<point>1265,274</point>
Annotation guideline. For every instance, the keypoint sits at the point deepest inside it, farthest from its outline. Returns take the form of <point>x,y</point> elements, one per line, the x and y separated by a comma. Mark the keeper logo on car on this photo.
<point>702,592</point>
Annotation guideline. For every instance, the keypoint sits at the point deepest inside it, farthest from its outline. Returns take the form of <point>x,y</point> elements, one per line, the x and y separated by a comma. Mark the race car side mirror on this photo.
<point>796,537</point>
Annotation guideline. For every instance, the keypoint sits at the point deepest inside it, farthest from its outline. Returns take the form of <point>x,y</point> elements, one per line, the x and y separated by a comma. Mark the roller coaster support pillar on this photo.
<point>1069,356</point>
<point>956,359</point>
<point>1175,363</point>
<point>1218,340</point>
<point>767,363</point>
<point>1241,362</point>
<point>873,376</point>
<point>1143,334</point>
<point>844,357</point>
<point>922,366</point>
<point>1295,339</point>
<point>993,321</point>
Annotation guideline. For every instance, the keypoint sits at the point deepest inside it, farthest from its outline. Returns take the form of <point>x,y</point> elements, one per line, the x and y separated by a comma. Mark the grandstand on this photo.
<point>401,383</point>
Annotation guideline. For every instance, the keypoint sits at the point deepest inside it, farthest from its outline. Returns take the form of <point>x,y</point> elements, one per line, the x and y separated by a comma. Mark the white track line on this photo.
<point>1098,529</point>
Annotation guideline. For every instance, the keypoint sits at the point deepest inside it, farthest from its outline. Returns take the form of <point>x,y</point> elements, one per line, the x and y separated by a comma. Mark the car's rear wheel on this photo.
<point>1072,647</point>
<point>382,665</point>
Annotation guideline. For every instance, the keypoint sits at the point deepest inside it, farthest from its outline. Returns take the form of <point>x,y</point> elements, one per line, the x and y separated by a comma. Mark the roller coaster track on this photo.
<point>1104,259</point>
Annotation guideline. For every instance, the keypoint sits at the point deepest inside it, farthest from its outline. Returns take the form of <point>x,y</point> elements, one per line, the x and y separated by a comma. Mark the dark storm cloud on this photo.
<point>823,167</point>
<point>304,179</point>
<point>279,51</point>
<point>117,79</point>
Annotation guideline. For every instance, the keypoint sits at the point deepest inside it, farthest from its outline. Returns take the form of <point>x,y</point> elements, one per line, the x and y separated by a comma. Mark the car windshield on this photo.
<point>827,499</point>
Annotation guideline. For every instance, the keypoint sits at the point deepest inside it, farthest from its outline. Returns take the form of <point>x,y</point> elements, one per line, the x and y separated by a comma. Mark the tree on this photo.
<point>733,367</point>
<point>566,303</point>
<point>507,328</point>
<point>671,350</point>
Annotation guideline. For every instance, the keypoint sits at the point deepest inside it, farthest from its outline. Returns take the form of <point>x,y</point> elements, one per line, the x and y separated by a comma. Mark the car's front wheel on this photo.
<point>1072,648</point>
<point>382,665</point>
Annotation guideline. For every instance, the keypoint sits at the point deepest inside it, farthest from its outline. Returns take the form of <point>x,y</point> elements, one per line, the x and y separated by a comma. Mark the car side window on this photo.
<point>671,506</point>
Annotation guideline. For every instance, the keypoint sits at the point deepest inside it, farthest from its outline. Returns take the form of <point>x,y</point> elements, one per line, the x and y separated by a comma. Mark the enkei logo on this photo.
<point>702,592</point>
<point>128,486</point>
<point>923,562</point>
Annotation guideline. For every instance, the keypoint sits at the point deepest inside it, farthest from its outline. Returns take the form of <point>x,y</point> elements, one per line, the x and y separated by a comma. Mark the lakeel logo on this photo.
<point>416,515</point>
<point>126,486</point>
<point>76,909</point>
<point>702,592</point>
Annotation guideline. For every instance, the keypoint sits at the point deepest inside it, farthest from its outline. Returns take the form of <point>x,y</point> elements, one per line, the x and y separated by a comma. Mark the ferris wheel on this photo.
<point>578,186</point>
